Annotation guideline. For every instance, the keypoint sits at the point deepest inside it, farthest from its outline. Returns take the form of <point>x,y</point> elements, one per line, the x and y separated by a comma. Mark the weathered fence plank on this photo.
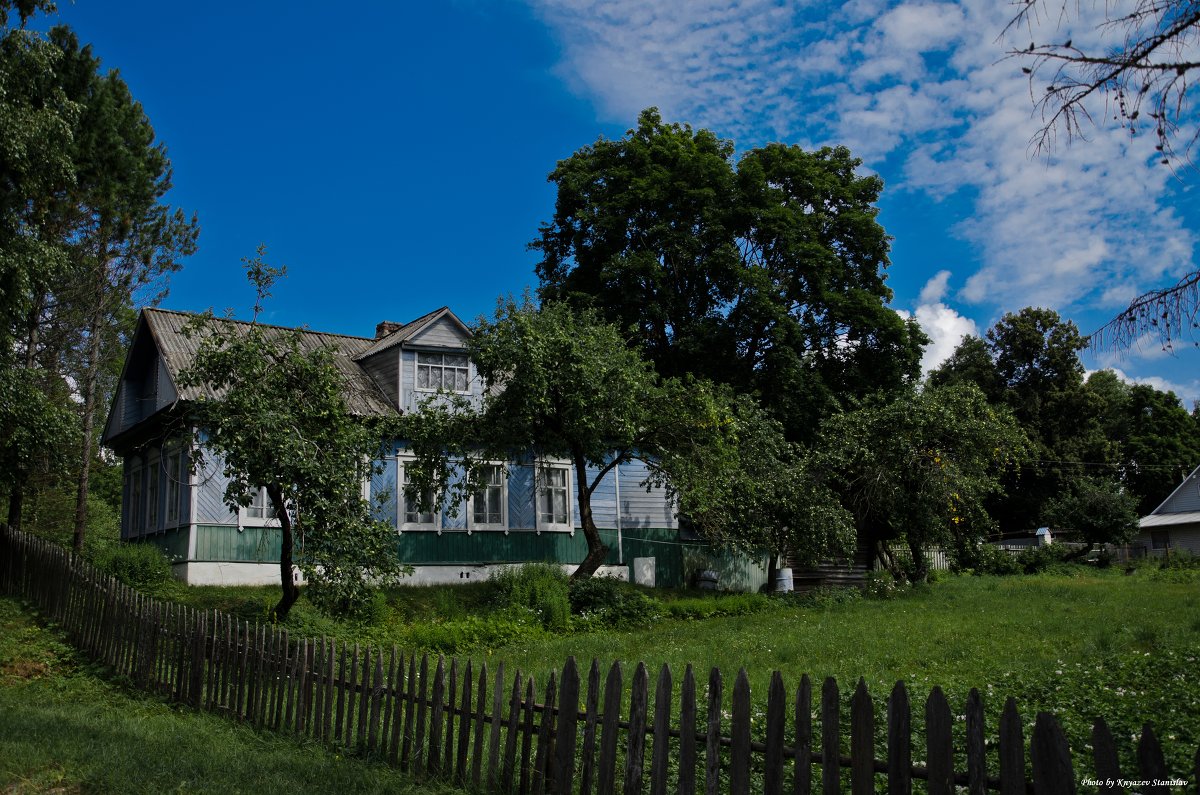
<point>1150,760</point>
<point>481,726</point>
<point>1104,754</point>
<point>510,736</point>
<point>899,761</point>
<point>607,772</point>
<point>939,745</point>
<point>1051,759</point>
<point>436,717</point>
<point>1012,751</point>
<point>862,741</point>
<point>739,733</point>
<point>831,777</point>
<point>802,779</point>
<point>712,739</point>
<point>687,734</point>
<point>635,748</point>
<point>662,733</point>
<point>567,728</point>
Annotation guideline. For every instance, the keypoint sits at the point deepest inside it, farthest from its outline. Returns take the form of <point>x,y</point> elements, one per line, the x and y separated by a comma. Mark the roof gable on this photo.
<point>430,324</point>
<point>1185,498</point>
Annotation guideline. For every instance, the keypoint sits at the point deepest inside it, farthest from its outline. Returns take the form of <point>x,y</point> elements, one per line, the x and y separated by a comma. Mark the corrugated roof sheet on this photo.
<point>362,395</point>
<point>1167,519</point>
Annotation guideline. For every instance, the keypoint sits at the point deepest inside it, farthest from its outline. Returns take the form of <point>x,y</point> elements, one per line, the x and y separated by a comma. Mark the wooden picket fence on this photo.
<point>448,719</point>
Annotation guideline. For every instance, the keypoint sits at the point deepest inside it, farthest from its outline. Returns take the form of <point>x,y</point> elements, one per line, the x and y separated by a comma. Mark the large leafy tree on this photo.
<point>766,274</point>
<point>277,417</point>
<point>1152,441</point>
<point>921,467</point>
<point>1095,511</point>
<point>1029,363</point>
<point>560,383</point>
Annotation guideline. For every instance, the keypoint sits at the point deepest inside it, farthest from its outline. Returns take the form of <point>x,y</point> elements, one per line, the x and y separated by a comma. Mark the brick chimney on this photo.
<point>386,327</point>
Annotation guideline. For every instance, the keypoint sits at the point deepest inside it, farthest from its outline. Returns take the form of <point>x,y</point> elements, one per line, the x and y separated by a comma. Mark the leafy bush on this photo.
<point>608,602</point>
<point>711,607</point>
<point>538,587</point>
<point>991,559</point>
<point>1052,558</point>
<point>1181,559</point>
<point>140,566</point>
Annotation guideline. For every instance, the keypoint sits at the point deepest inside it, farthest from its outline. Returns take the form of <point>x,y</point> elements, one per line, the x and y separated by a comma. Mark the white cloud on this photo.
<point>944,326</point>
<point>920,83</point>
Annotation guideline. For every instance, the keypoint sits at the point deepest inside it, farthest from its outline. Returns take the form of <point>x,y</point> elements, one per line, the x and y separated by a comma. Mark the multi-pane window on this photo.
<point>135,500</point>
<point>414,513</point>
<point>442,371</point>
<point>174,475</point>
<point>552,497</point>
<point>152,470</point>
<point>260,505</point>
<point>487,504</point>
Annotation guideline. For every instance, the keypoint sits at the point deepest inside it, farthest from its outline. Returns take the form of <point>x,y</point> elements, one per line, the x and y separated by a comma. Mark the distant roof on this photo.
<point>1168,519</point>
<point>1159,510</point>
<point>362,395</point>
<point>410,330</point>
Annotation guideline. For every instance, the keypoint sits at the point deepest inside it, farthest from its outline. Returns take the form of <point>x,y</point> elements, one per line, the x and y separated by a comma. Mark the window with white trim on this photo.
<point>489,501</point>
<point>260,506</point>
<point>174,476</point>
<point>449,371</point>
<point>414,516</point>
<point>135,500</point>
<point>553,498</point>
<point>152,480</point>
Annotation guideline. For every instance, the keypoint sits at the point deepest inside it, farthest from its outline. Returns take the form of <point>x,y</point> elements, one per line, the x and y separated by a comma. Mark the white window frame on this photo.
<point>402,504</point>
<point>543,468</point>
<point>417,364</point>
<point>174,475</point>
<point>137,519</point>
<point>472,524</point>
<point>153,490</point>
<point>248,516</point>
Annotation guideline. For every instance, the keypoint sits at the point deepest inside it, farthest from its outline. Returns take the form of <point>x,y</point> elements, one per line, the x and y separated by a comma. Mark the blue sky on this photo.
<point>394,157</point>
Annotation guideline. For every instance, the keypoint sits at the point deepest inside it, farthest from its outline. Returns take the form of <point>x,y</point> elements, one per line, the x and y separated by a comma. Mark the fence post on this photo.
<point>1150,760</point>
<point>567,728</point>
<point>1012,751</point>
<point>662,733</point>
<point>938,743</point>
<point>712,746</point>
<point>687,734</point>
<point>831,774</point>
<point>1051,758</point>
<point>636,748</point>
<point>862,741</point>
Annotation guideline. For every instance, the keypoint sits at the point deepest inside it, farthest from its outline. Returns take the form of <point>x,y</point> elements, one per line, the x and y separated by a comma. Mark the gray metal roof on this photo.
<point>1168,519</point>
<point>362,395</point>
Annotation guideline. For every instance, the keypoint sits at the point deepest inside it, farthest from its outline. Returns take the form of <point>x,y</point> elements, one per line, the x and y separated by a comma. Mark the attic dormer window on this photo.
<point>447,371</point>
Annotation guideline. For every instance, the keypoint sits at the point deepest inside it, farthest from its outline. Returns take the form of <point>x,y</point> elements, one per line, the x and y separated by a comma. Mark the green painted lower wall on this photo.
<point>676,563</point>
<point>226,543</point>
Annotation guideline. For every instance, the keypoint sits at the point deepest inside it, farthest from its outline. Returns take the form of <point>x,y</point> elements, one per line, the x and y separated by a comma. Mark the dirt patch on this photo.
<point>23,669</point>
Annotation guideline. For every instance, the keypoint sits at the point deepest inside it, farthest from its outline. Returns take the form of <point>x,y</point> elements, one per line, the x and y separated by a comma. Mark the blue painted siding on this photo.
<point>210,493</point>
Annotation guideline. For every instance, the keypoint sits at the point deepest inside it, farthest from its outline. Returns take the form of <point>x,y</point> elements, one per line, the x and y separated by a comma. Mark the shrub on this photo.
<point>1051,558</point>
<point>991,559</point>
<point>608,602</point>
<point>140,566</point>
<point>539,587</point>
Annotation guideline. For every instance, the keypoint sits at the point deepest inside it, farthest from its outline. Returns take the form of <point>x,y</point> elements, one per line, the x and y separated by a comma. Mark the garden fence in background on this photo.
<point>581,731</point>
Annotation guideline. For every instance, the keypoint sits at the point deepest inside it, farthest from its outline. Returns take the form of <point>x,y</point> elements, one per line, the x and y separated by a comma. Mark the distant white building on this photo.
<point>1175,524</point>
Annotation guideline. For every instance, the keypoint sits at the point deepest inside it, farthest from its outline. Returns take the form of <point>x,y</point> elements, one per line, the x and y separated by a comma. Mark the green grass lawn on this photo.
<point>1082,644</point>
<point>66,729</point>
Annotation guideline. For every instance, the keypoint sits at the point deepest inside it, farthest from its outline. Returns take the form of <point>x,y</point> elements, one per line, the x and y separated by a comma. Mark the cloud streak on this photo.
<point>920,88</point>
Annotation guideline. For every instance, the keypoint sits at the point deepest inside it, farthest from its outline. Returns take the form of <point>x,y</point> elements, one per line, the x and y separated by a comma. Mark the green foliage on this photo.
<point>921,466</point>
<point>272,409</point>
<point>989,559</point>
<point>695,609</point>
<point>1048,559</point>
<point>477,633</point>
<point>766,275</point>
<point>610,603</point>
<point>140,566</point>
<point>1095,511</point>
<point>540,588</point>
<point>881,585</point>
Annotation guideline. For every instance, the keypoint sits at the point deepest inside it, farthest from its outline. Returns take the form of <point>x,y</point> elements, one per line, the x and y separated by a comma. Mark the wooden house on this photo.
<point>527,512</point>
<point>1175,524</point>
